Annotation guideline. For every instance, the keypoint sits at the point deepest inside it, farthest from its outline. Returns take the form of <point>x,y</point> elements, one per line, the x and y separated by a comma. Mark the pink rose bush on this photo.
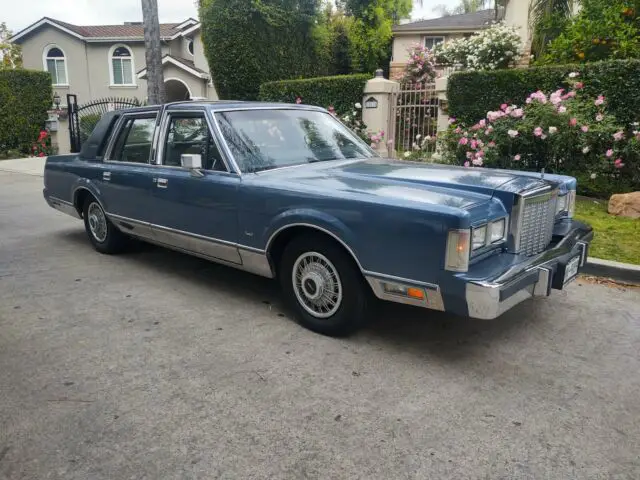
<point>564,131</point>
<point>421,66</point>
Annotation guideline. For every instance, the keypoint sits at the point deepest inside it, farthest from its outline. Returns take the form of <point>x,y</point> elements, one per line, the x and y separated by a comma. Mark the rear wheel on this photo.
<point>104,236</point>
<point>323,285</point>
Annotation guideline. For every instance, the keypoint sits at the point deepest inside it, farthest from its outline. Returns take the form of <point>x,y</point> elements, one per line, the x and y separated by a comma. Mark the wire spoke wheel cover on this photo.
<point>316,284</point>
<point>97,222</point>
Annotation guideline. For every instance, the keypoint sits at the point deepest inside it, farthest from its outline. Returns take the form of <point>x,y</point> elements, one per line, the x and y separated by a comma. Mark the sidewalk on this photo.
<point>28,166</point>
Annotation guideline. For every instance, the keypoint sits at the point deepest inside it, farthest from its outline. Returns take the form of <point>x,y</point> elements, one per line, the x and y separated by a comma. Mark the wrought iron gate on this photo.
<point>83,118</point>
<point>413,120</point>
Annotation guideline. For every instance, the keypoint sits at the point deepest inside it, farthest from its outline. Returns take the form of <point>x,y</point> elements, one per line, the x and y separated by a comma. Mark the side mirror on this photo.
<point>191,161</point>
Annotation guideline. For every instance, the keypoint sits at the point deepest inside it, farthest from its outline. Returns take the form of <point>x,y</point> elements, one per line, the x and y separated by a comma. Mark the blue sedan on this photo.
<point>288,192</point>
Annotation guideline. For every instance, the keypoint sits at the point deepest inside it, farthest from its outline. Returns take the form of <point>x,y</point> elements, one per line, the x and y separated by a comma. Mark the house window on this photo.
<point>56,64</point>
<point>431,42</point>
<point>190,46</point>
<point>121,66</point>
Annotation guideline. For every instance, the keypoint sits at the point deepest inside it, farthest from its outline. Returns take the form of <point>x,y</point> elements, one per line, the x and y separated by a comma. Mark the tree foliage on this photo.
<point>10,53</point>
<point>249,42</point>
<point>602,29</point>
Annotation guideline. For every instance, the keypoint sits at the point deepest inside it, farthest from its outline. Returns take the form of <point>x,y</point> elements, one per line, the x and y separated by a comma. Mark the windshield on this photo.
<point>265,139</point>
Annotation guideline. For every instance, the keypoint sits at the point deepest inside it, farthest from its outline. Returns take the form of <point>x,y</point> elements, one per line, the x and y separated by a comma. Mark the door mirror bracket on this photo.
<point>193,163</point>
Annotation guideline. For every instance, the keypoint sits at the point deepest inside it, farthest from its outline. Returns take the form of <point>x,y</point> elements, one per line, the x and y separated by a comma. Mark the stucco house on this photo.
<point>433,31</point>
<point>98,61</point>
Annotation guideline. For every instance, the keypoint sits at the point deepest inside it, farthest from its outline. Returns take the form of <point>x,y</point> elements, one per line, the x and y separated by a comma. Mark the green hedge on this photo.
<point>341,91</point>
<point>472,94</point>
<point>25,97</point>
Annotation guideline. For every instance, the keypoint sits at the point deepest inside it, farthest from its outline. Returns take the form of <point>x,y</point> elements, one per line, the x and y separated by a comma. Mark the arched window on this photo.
<point>56,64</point>
<point>121,63</point>
<point>190,46</point>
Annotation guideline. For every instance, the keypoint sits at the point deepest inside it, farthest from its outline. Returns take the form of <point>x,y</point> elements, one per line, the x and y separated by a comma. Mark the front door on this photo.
<point>195,212</point>
<point>127,175</point>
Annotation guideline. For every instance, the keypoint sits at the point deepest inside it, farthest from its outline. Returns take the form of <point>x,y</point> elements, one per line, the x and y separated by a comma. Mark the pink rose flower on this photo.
<point>474,144</point>
<point>599,100</point>
<point>573,122</point>
<point>503,107</point>
<point>491,144</point>
<point>537,131</point>
<point>599,117</point>
<point>463,141</point>
<point>482,123</point>
<point>477,162</point>
<point>619,135</point>
<point>579,85</point>
<point>609,153</point>
<point>517,157</point>
<point>458,130</point>
<point>469,155</point>
<point>466,164</point>
<point>480,154</point>
<point>562,109</point>
<point>618,163</point>
<point>452,120</point>
<point>298,100</point>
<point>517,112</point>
<point>584,128</point>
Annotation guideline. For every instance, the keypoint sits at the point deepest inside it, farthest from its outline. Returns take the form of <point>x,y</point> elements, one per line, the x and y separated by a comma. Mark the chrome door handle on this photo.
<point>162,183</point>
<point>106,176</point>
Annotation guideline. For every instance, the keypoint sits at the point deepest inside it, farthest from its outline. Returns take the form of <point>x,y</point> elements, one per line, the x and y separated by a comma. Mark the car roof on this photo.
<point>221,105</point>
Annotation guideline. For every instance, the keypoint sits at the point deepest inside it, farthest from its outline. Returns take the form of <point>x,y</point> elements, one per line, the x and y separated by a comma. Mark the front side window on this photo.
<point>267,139</point>
<point>189,134</point>
<point>122,66</point>
<point>431,42</point>
<point>56,65</point>
<point>134,140</point>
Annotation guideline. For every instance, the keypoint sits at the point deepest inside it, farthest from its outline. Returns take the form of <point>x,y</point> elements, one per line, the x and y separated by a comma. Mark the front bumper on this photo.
<point>495,286</point>
<point>536,277</point>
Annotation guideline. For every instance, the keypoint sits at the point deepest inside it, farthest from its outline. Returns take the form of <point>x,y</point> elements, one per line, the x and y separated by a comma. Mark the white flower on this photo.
<point>552,130</point>
<point>513,133</point>
<point>347,118</point>
<point>407,154</point>
<point>593,176</point>
<point>573,74</point>
<point>418,136</point>
<point>585,150</point>
<point>358,105</point>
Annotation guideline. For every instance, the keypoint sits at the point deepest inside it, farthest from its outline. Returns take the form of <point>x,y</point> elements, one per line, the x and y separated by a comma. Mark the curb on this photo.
<point>624,272</point>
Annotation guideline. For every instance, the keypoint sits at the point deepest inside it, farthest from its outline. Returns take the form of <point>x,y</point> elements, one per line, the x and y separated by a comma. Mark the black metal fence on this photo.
<point>83,118</point>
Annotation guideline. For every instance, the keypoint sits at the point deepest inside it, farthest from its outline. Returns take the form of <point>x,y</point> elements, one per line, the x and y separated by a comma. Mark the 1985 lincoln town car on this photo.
<point>288,192</point>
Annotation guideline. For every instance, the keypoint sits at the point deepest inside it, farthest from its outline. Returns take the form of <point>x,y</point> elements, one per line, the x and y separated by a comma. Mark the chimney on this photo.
<point>132,23</point>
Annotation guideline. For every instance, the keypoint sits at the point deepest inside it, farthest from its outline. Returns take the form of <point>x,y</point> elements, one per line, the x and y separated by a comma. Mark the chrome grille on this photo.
<point>536,226</point>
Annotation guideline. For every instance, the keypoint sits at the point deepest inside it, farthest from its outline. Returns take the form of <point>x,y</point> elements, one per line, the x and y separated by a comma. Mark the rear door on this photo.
<point>128,172</point>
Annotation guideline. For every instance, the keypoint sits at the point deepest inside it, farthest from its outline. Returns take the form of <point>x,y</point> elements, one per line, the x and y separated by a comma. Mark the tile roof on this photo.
<point>127,30</point>
<point>465,21</point>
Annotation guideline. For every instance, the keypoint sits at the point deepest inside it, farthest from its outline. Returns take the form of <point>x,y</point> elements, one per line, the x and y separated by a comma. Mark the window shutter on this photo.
<point>117,71</point>
<point>51,68</point>
<point>127,71</point>
<point>61,73</point>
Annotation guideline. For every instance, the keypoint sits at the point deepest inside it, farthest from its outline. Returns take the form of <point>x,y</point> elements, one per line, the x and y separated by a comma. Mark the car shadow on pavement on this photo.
<point>405,327</point>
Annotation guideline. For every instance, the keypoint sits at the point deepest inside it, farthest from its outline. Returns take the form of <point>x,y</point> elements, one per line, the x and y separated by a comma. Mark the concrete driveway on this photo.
<point>155,365</point>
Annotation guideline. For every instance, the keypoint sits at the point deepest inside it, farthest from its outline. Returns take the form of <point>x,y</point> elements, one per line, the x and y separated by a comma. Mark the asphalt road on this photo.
<point>156,365</point>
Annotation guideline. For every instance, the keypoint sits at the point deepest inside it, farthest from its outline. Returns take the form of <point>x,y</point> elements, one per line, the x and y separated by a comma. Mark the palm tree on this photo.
<point>542,14</point>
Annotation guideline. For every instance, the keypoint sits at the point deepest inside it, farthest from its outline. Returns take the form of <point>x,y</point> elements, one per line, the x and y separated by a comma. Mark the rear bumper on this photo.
<point>61,205</point>
<point>537,277</point>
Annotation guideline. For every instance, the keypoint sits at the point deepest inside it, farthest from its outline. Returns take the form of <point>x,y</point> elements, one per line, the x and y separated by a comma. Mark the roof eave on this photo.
<point>442,29</point>
<point>166,59</point>
<point>43,21</point>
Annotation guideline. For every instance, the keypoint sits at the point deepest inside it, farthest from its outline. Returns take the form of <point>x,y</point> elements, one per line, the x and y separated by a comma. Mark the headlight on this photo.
<point>571,203</point>
<point>457,258</point>
<point>561,205</point>
<point>479,237</point>
<point>497,230</point>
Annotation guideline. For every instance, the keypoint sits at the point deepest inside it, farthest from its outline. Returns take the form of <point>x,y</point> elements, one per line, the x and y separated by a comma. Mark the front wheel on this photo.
<point>323,285</point>
<point>104,236</point>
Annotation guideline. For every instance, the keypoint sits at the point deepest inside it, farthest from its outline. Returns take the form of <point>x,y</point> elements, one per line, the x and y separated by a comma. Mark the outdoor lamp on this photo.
<point>56,100</point>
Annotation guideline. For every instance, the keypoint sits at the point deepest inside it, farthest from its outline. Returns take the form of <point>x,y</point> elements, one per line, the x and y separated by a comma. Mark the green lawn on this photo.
<point>616,238</point>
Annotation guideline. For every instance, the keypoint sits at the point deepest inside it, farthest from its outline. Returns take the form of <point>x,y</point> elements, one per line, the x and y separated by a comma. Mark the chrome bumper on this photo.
<point>535,277</point>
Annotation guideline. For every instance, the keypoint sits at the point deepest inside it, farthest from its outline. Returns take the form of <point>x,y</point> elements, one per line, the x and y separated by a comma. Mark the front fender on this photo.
<point>315,219</point>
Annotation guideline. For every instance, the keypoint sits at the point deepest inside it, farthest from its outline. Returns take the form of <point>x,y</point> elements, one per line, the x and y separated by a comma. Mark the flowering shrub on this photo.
<point>354,121</point>
<point>422,147</point>
<point>42,147</point>
<point>496,47</point>
<point>564,131</point>
<point>420,68</point>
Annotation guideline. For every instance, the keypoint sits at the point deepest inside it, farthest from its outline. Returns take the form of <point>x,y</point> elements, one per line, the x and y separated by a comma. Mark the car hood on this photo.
<point>421,182</point>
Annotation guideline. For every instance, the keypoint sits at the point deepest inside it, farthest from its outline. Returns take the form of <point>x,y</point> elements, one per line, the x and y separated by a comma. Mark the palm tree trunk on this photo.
<point>155,75</point>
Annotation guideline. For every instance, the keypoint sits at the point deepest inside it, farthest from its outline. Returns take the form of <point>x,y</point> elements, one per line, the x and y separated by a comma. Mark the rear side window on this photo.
<point>134,140</point>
